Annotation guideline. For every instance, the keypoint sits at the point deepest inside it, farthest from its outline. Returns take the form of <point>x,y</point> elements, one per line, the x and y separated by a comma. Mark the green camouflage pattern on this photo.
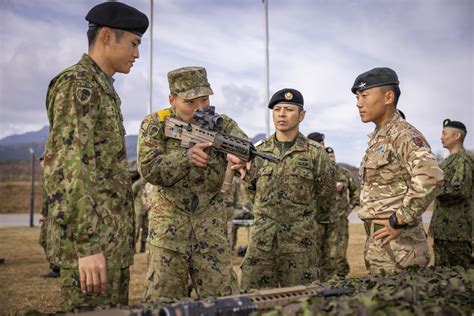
<point>328,235</point>
<point>303,182</point>
<point>116,291</point>
<point>86,177</point>
<point>334,238</point>
<point>414,291</point>
<point>452,253</point>
<point>189,215</point>
<point>141,213</point>
<point>399,174</point>
<point>189,82</point>
<point>454,205</point>
<point>342,264</point>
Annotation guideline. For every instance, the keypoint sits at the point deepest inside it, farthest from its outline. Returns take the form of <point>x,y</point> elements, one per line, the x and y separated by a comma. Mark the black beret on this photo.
<point>375,78</point>
<point>455,124</point>
<point>286,95</point>
<point>118,15</point>
<point>317,137</point>
<point>329,150</point>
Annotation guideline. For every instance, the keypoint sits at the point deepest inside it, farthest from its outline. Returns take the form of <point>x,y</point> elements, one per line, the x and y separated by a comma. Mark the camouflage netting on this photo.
<point>425,291</point>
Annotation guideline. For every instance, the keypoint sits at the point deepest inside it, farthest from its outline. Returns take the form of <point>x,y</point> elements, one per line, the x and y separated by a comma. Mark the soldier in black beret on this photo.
<point>317,137</point>
<point>93,195</point>
<point>400,177</point>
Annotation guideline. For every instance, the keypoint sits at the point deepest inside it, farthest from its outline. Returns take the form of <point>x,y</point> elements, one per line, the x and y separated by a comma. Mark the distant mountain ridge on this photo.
<point>16,147</point>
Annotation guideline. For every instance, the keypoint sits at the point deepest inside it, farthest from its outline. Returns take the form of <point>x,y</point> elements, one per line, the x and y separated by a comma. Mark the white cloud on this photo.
<point>317,47</point>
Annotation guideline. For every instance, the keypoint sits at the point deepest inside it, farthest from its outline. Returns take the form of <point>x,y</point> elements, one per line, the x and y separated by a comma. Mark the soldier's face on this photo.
<point>332,157</point>
<point>122,50</point>
<point>186,108</point>
<point>287,117</point>
<point>373,105</point>
<point>449,137</point>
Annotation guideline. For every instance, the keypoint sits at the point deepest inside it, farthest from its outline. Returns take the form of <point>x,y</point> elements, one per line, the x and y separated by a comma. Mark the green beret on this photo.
<point>376,77</point>
<point>329,150</point>
<point>287,95</point>
<point>317,137</point>
<point>455,124</point>
<point>118,15</point>
<point>189,82</point>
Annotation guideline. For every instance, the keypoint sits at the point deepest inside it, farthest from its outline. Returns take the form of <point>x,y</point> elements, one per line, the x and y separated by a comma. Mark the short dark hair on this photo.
<point>93,31</point>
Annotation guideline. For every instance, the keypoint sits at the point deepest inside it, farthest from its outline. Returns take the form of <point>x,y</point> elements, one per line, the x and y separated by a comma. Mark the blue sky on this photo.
<point>316,46</point>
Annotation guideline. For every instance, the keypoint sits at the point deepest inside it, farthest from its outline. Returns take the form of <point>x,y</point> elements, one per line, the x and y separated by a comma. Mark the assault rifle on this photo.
<point>209,131</point>
<point>245,304</point>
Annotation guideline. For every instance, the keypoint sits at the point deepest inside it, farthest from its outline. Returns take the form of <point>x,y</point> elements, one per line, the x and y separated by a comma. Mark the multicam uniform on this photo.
<point>188,233</point>
<point>347,197</point>
<point>451,224</point>
<point>287,196</point>
<point>399,174</point>
<point>87,182</point>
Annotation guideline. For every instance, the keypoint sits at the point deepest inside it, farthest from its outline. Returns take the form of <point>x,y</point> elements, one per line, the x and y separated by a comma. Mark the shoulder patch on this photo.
<point>83,94</point>
<point>418,140</point>
<point>162,114</point>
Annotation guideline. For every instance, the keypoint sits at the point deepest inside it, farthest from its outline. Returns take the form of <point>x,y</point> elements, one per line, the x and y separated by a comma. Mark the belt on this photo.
<point>369,222</point>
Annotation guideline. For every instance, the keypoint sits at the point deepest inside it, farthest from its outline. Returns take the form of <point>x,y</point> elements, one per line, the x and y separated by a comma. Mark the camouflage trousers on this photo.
<point>211,274</point>
<point>270,269</point>
<point>342,265</point>
<point>452,253</point>
<point>410,248</point>
<point>118,280</point>
<point>328,236</point>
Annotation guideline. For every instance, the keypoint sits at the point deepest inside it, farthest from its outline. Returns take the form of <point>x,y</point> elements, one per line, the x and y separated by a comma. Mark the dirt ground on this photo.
<point>22,288</point>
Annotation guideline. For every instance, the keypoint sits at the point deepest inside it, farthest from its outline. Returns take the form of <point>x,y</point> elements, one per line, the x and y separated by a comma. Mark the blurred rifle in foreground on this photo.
<point>209,131</point>
<point>245,304</point>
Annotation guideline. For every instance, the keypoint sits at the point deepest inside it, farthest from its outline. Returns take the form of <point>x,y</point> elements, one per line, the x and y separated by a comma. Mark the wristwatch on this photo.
<point>393,221</point>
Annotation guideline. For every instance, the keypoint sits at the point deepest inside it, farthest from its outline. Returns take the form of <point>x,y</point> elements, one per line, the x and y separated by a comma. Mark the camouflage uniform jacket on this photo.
<point>399,173</point>
<point>453,212</point>
<point>86,174</point>
<point>189,202</point>
<point>289,194</point>
<point>349,195</point>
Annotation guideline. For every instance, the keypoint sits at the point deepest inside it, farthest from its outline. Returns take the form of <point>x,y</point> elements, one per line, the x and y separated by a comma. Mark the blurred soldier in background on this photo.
<point>238,207</point>
<point>451,224</point>
<point>346,197</point>
<point>317,137</point>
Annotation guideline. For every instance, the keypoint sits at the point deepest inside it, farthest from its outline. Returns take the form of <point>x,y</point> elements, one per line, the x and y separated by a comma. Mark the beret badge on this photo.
<point>288,95</point>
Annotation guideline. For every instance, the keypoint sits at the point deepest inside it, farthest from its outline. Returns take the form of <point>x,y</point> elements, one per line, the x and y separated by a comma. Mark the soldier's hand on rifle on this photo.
<point>197,156</point>
<point>93,274</point>
<point>238,164</point>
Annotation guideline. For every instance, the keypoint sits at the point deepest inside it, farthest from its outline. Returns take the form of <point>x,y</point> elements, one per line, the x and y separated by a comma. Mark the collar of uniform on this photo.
<point>105,81</point>
<point>450,158</point>
<point>270,143</point>
<point>383,130</point>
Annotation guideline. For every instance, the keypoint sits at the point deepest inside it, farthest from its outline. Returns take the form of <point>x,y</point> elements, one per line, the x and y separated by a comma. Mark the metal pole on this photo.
<point>150,62</point>
<point>267,71</point>
<point>32,196</point>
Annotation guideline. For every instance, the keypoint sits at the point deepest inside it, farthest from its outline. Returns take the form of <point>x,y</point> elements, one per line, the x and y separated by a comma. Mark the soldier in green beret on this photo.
<point>188,222</point>
<point>287,196</point>
<point>400,177</point>
<point>87,183</point>
<point>451,224</point>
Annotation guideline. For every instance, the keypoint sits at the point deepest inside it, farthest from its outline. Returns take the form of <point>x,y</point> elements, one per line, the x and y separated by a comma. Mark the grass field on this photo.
<point>22,288</point>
